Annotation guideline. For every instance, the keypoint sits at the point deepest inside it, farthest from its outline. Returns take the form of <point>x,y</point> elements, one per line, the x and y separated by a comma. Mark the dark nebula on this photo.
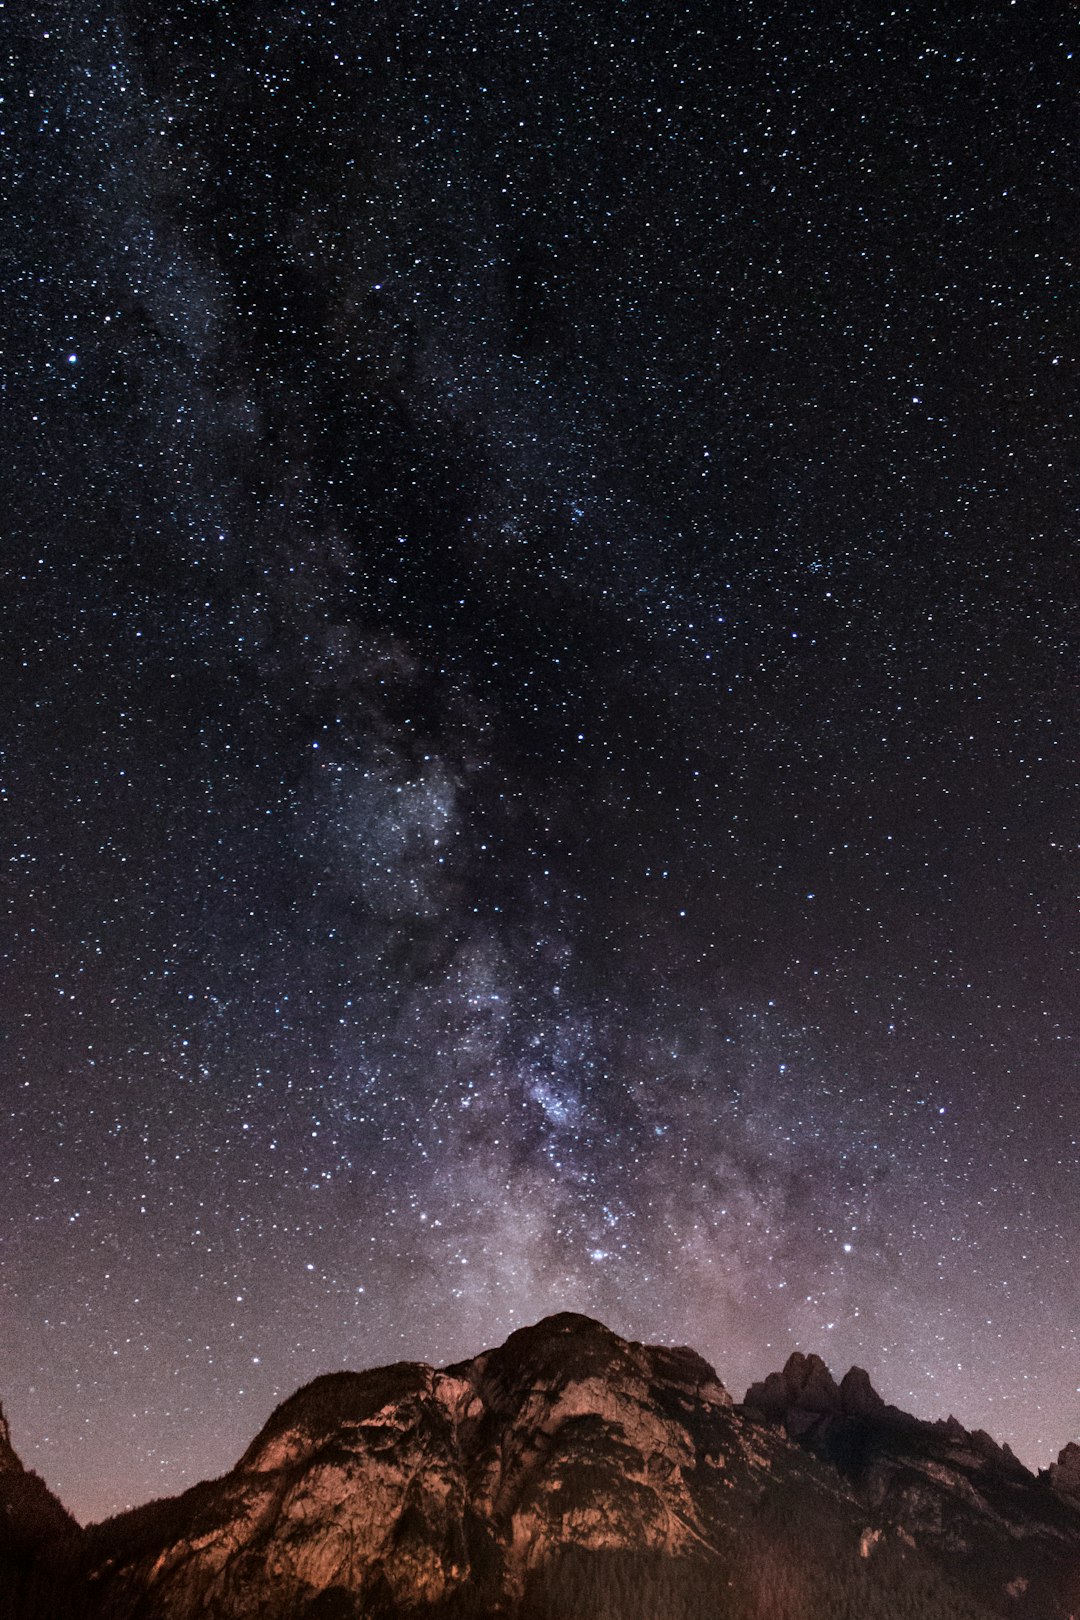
<point>539,670</point>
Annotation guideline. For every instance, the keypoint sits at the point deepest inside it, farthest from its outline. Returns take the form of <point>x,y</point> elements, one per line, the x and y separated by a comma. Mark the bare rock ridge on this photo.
<point>571,1474</point>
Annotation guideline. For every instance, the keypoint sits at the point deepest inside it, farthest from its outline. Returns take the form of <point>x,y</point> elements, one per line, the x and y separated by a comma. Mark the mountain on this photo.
<point>37,1535</point>
<point>573,1475</point>
<point>960,1495</point>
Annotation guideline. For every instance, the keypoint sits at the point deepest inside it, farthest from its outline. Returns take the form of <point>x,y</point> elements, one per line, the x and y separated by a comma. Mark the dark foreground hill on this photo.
<point>571,1475</point>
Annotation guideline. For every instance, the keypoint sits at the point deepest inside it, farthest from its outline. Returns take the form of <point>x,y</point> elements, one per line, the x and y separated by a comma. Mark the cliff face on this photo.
<point>572,1475</point>
<point>1064,1475</point>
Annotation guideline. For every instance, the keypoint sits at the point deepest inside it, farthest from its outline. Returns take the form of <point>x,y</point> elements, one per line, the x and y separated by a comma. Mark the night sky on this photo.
<point>539,703</point>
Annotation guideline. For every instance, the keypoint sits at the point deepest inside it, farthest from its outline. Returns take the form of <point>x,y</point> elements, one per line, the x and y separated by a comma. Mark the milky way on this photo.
<point>539,665</point>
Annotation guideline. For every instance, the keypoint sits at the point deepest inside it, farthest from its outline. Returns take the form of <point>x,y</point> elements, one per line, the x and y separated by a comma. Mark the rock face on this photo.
<point>800,1396</point>
<point>408,1485</point>
<point>804,1397</point>
<point>573,1475</point>
<point>1064,1475</point>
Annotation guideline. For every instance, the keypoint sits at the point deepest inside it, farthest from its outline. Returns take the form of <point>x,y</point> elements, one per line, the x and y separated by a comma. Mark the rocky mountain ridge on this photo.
<point>574,1473</point>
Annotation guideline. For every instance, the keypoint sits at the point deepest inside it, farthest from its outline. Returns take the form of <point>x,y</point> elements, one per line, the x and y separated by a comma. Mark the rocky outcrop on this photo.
<point>1064,1475</point>
<point>805,1395</point>
<point>858,1397</point>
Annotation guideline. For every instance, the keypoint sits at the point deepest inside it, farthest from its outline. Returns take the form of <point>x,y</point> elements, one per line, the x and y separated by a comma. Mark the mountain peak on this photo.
<point>858,1396</point>
<point>798,1396</point>
<point>1064,1475</point>
<point>568,1322</point>
<point>806,1390</point>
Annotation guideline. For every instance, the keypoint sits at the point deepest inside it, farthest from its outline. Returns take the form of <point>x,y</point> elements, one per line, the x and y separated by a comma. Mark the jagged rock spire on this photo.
<point>805,1395</point>
<point>1064,1475</point>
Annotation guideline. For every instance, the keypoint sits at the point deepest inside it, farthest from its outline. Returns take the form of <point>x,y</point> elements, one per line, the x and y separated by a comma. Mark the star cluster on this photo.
<point>540,668</point>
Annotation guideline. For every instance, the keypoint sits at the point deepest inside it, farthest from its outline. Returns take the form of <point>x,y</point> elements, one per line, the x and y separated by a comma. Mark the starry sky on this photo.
<point>539,743</point>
